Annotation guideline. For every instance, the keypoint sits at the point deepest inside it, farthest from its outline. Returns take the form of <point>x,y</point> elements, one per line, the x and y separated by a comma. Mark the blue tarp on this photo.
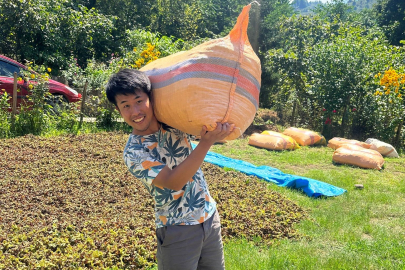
<point>311,187</point>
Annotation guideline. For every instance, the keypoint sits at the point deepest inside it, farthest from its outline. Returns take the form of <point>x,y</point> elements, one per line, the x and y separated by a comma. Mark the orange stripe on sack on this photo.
<point>237,35</point>
<point>386,154</point>
<point>239,32</point>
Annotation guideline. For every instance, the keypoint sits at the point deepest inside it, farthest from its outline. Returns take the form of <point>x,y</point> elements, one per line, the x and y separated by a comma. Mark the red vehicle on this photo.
<point>58,90</point>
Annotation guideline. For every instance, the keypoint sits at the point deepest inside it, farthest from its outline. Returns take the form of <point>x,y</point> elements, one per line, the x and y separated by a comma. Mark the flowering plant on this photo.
<point>389,95</point>
<point>392,84</point>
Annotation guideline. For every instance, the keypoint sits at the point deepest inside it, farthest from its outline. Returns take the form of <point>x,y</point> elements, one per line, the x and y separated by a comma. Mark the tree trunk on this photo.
<point>343,126</point>
<point>293,113</point>
<point>398,135</point>
<point>344,118</point>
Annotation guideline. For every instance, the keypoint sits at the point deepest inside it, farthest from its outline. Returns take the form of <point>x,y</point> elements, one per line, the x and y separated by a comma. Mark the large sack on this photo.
<point>217,81</point>
<point>336,142</point>
<point>359,156</point>
<point>322,141</point>
<point>383,148</point>
<point>303,136</point>
<point>198,137</point>
<point>273,141</point>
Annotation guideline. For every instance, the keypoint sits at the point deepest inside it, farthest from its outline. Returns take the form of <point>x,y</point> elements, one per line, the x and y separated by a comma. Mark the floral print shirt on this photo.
<point>146,156</point>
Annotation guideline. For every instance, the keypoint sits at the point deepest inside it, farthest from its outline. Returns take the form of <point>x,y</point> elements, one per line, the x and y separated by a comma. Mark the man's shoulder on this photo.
<point>134,143</point>
<point>178,132</point>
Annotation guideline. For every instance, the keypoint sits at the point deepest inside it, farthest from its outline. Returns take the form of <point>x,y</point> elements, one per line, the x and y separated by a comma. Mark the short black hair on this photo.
<point>127,81</point>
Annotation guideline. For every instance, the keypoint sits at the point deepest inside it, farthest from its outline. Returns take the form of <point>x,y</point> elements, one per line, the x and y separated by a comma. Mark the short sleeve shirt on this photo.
<point>145,156</point>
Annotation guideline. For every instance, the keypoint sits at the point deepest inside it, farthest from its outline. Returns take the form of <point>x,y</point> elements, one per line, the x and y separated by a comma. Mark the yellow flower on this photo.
<point>134,49</point>
<point>32,76</point>
<point>49,69</point>
<point>30,86</point>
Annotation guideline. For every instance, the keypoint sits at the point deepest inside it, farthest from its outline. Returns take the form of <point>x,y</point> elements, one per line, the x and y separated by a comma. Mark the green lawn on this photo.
<point>362,229</point>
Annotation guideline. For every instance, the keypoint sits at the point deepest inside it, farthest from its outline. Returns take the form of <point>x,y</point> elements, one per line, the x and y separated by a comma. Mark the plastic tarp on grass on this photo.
<point>311,187</point>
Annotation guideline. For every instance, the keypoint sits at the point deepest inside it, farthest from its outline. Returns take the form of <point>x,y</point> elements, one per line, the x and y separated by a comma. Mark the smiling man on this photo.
<point>188,228</point>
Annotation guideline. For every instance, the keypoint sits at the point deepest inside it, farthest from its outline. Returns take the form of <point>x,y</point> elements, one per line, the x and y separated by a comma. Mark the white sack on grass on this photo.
<point>383,148</point>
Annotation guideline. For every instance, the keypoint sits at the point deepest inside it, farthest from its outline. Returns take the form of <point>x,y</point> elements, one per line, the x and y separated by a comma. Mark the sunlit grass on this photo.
<point>361,229</point>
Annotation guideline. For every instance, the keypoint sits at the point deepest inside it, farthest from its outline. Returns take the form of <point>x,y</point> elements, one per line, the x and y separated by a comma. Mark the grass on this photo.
<point>361,229</point>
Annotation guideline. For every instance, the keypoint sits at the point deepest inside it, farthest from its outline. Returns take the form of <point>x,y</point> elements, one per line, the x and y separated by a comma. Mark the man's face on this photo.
<point>137,111</point>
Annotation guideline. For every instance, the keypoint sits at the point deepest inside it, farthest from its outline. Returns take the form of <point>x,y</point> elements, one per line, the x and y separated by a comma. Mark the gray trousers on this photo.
<point>191,247</point>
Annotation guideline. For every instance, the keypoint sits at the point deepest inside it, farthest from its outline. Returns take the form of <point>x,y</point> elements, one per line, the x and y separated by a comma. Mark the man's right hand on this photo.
<point>219,133</point>
<point>176,178</point>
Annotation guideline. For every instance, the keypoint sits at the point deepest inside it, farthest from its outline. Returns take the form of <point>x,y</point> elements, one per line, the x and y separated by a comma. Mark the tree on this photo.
<point>49,32</point>
<point>336,10</point>
<point>341,73</point>
<point>296,36</point>
<point>391,16</point>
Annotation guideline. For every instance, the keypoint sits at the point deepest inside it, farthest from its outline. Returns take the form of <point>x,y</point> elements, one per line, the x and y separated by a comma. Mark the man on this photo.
<point>188,227</point>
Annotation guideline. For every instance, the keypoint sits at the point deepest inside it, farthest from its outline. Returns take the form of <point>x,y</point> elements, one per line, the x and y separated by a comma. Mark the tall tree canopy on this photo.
<point>391,15</point>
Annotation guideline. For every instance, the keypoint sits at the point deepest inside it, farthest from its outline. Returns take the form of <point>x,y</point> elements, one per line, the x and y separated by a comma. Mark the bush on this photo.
<point>142,47</point>
<point>36,116</point>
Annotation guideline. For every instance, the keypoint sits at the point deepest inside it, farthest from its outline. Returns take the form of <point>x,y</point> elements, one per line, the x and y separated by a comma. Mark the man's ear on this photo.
<point>151,99</point>
<point>118,109</point>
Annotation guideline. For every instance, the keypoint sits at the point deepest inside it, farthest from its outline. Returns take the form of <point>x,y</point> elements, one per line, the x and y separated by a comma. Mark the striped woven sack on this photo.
<point>279,141</point>
<point>337,142</point>
<point>217,81</point>
<point>303,136</point>
<point>359,156</point>
<point>383,148</point>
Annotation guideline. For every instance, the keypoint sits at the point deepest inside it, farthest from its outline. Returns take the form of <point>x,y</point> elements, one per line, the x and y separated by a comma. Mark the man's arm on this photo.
<point>176,179</point>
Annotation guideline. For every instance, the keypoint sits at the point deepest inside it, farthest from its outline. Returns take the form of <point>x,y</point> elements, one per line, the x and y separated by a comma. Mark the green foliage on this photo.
<point>5,116</point>
<point>34,114</point>
<point>341,78</point>
<point>390,15</point>
<point>337,9</point>
<point>38,113</point>
<point>289,64</point>
<point>323,74</point>
<point>359,5</point>
<point>141,48</point>
<point>48,32</point>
